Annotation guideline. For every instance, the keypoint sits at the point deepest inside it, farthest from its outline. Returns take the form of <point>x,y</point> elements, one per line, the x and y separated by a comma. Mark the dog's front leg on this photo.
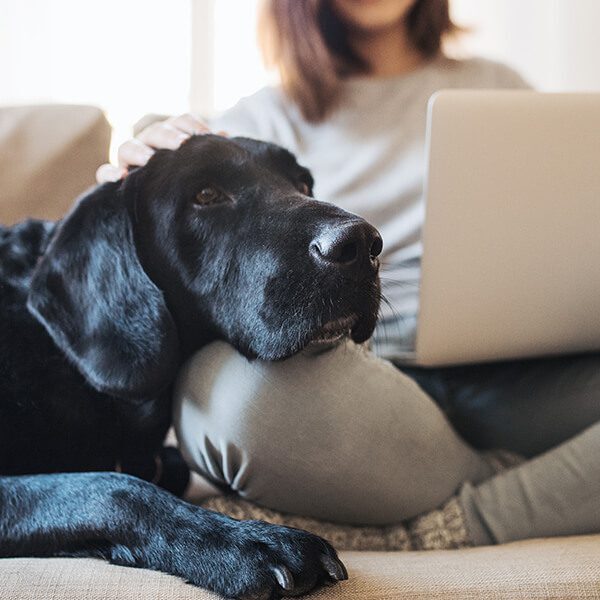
<point>134,523</point>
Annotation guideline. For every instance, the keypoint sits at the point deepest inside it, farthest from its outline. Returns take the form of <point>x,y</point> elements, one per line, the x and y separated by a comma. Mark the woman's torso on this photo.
<point>368,158</point>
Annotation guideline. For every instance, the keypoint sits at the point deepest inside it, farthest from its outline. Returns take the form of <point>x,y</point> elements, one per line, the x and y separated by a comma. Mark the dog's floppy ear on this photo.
<point>95,300</point>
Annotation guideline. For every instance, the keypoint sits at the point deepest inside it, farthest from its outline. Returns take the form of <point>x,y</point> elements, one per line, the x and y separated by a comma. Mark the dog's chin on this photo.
<point>334,332</point>
<point>363,330</point>
<point>350,327</point>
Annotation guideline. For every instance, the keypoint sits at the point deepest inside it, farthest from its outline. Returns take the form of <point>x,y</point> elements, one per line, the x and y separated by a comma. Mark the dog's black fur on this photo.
<point>217,240</point>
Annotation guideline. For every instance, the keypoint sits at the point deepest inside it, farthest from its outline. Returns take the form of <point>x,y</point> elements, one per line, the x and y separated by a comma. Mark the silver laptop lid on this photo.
<point>511,264</point>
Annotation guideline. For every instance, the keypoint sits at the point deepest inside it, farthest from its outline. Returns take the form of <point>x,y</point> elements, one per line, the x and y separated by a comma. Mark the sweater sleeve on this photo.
<point>482,72</point>
<point>261,115</point>
<point>508,78</point>
<point>237,120</point>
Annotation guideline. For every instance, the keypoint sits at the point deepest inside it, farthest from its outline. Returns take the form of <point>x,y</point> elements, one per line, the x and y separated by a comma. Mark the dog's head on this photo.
<point>220,239</point>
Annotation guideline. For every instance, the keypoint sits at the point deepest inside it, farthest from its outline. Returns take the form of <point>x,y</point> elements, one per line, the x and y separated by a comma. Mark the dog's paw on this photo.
<point>249,560</point>
<point>269,561</point>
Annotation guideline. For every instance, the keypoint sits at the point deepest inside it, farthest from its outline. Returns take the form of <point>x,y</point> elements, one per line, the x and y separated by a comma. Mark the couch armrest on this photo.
<point>48,155</point>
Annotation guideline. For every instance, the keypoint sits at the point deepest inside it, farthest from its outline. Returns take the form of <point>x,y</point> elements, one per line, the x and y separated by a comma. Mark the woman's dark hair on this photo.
<point>308,44</point>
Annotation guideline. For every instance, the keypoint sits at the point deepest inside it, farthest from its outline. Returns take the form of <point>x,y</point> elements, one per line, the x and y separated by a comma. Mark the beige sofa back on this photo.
<point>48,156</point>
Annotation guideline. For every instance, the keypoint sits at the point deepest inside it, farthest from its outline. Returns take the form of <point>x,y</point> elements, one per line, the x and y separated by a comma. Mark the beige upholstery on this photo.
<point>553,568</point>
<point>48,155</point>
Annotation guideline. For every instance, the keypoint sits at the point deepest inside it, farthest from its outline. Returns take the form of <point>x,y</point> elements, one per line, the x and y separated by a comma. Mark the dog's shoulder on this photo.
<point>20,249</point>
<point>21,246</point>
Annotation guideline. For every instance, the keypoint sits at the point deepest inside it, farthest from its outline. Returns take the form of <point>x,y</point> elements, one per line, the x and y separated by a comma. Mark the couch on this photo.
<point>48,155</point>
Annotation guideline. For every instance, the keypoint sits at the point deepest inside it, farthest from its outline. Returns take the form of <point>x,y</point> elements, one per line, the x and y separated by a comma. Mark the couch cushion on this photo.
<point>550,568</point>
<point>48,156</point>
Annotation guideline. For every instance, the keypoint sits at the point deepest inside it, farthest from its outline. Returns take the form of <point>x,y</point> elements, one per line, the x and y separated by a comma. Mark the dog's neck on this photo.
<point>191,320</point>
<point>192,325</point>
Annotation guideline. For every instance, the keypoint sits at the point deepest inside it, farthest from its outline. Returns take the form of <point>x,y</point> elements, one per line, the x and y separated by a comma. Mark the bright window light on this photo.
<point>129,57</point>
<point>238,64</point>
<point>134,57</point>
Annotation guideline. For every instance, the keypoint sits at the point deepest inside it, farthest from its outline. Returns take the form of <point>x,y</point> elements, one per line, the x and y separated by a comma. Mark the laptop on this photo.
<point>511,242</point>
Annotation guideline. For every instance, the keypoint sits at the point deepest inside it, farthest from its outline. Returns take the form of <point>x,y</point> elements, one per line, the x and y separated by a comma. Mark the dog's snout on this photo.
<point>348,245</point>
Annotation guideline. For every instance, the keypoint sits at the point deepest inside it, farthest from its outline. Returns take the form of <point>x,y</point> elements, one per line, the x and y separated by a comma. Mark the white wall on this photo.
<point>554,43</point>
<point>129,57</point>
<point>578,54</point>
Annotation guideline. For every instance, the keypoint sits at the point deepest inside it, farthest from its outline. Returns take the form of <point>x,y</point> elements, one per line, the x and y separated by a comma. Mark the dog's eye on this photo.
<point>304,188</point>
<point>210,195</point>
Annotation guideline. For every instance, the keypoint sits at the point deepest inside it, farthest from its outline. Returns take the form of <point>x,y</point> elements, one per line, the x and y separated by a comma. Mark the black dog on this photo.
<point>217,240</point>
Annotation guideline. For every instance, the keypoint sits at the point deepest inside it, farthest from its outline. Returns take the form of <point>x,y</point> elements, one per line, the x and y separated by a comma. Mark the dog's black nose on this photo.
<point>348,245</point>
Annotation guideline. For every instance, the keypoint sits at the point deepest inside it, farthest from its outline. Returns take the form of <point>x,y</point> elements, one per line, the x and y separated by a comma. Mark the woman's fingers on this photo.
<point>108,172</point>
<point>134,153</point>
<point>188,124</point>
<point>163,135</point>
<point>173,132</point>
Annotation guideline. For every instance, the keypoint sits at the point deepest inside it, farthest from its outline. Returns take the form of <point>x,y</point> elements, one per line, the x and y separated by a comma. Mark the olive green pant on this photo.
<point>344,436</point>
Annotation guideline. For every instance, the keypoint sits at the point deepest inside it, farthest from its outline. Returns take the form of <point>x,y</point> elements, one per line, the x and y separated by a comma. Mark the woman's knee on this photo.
<point>217,396</point>
<point>334,435</point>
<point>283,434</point>
<point>248,425</point>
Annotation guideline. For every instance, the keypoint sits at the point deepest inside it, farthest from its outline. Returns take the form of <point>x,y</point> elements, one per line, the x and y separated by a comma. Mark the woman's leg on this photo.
<point>338,435</point>
<point>556,493</point>
<point>527,406</point>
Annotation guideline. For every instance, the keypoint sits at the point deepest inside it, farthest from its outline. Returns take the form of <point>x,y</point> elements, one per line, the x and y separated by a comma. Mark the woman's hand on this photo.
<point>137,151</point>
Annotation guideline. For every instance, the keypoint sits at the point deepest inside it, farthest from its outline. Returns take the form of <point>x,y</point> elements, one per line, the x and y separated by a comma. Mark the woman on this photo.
<point>343,435</point>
